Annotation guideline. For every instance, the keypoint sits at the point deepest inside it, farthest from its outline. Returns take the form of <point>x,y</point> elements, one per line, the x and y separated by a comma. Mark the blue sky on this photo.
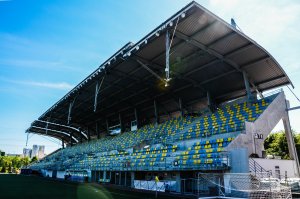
<point>47,47</point>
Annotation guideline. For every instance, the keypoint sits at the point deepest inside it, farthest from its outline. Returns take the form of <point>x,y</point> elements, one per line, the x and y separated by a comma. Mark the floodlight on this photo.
<point>157,34</point>
<point>183,15</point>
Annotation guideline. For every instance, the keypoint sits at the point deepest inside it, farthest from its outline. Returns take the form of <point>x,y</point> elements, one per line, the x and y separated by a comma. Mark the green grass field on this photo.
<point>19,187</point>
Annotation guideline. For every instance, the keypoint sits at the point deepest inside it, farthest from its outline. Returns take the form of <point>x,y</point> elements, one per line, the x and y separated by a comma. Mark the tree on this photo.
<point>34,159</point>
<point>276,144</point>
<point>8,163</point>
<point>25,161</point>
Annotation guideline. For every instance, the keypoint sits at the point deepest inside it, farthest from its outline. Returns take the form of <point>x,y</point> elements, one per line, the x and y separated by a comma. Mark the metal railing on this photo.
<point>256,168</point>
<point>171,163</point>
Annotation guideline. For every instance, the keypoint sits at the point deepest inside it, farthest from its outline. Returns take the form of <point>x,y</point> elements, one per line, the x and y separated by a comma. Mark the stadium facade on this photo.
<point>187,104</point>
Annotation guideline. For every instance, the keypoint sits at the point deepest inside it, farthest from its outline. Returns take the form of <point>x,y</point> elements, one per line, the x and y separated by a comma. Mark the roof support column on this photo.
<point>290,139</point>
<point>97,130</point>
<point>107,126</point>
<point>210,103</point>
<point>181,107</point>
<point>81,136</point>
<point>70,110</point>
<point>62,143</point>
<point>88,134</point>
<point>136,118</point>
<point>97,89</point>
<point>156,113</point>
<point>71,140</point>
<point>247,86</point>
<point>121,123</point>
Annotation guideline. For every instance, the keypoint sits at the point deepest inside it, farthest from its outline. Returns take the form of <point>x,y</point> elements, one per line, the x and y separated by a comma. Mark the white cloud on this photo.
<point>31,64</point>
<point>59,85</point>
<point>262,20</point>
<point>50,85</point>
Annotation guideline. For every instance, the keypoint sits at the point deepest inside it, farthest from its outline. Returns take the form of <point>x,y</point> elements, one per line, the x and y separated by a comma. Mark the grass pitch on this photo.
<point>23,187</point>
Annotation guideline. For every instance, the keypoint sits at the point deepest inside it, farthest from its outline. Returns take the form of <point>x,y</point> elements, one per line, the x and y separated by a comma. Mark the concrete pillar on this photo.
<point>136,118</point>
<point>104,174</point>
<point>125,178</point>
<point>132,179</point>
<point>97,176</point>
<point>290,140</point>
<point>178,182</point>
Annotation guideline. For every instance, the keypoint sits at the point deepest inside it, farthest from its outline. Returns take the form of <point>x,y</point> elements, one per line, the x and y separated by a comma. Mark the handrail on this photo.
<point>256,168</point>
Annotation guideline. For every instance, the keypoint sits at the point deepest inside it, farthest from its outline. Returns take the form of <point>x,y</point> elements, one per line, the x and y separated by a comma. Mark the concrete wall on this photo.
<point>48,173</point>
<point>284,165</point>
<point>60,174</point>
<point>239,161</point>
<point>263,125</point>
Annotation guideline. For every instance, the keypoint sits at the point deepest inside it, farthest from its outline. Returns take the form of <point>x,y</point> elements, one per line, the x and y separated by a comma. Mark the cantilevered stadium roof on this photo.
<point>206,55</point>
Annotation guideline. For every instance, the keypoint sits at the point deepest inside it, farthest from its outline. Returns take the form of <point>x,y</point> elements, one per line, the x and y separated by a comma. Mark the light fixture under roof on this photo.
<point>183,15</point>
<point>157,34</point>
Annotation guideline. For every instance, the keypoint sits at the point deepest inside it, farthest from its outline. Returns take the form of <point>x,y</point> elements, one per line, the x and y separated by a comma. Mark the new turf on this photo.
<point>19,187</point>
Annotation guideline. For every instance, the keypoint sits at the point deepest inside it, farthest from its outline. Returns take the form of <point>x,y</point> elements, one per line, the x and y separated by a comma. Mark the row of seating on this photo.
<point>208,150</point>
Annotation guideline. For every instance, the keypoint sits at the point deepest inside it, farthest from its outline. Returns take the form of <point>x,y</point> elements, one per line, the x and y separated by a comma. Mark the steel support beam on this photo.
<point>89,134</point>
<point>293,108</point>
<point>247,86</point>
<point>121,122</point>
<point>197,44</point>
<point>156,112</point>
<point>64,126</point>
<point>64,134</point>
<point>71,140</point>
<point>167,70</point>
<point>70,109</point>
<point>97,89</point>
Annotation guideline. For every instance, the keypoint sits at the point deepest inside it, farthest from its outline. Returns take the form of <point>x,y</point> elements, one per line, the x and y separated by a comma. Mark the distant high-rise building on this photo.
<point>27,152</point>
<point>41,152</point>
<point>38,151</point>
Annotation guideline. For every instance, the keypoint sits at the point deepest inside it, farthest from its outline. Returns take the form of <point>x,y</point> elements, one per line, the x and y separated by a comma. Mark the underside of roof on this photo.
<point>206,55</point>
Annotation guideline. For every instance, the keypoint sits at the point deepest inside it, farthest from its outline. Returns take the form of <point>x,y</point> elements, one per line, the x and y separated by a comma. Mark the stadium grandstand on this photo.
<point>184,110</point>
